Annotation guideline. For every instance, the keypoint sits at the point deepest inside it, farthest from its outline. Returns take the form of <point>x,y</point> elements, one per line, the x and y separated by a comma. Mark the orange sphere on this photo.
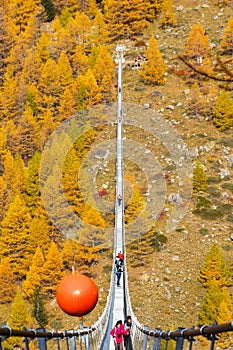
<point>77,295</point>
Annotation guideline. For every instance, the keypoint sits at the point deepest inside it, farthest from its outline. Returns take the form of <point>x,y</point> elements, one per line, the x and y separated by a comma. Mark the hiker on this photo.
<point>117,333</point>
<point>119,270</point>
<point>120,255</point>
<point>127,337</point>
<point>119,198</point>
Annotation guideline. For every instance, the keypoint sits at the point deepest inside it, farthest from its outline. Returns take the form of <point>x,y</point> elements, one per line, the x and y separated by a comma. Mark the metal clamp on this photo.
<point>182,333</point>
<point>202,329</point>
<point>10,332</point>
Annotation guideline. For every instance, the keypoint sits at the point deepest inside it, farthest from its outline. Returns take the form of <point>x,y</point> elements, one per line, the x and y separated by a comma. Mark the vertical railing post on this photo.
<point>212,338</point>
<point>67,343</point>
<point>73,343</point>
<point>42,341</point>
<point>145,339</point>
<point>156,345</point>
<point>166,344</point>
<point>180,341</point>
<point>157,340</point>
<point>58,343</point>
<point>26,341</point>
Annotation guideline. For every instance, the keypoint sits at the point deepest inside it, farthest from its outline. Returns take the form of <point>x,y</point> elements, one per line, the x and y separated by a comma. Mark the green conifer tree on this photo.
<point>39,311</point>
<point>49,9</point>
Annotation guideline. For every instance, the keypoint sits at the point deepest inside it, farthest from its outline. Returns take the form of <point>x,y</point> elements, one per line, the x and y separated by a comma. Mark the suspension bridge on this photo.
<point>118,305</point>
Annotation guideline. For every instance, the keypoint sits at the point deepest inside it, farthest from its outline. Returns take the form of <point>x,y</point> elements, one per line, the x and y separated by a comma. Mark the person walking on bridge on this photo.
<point>117,333</point>
<point>119,199</point>
<point>119,270</point>
<point>127,337</point>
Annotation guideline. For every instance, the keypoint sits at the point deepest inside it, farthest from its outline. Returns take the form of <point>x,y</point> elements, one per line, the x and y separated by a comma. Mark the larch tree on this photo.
<point>31,70</point>
<point>32,181</point>
<point>4,198</point>
<point>15,236</point>
<point>8,95</point>
<point>64,39</point>
<point>52,271</point>
<point>154,8</point>
<point>40,230</point>
<point>47,125</point>
<point>10,175</point>
<point>6,42</point>
<point>153,71</point>
<point>48,85</point>
<point>92,57</point>
<point>27,139</point>
<point>42,48</point>
<point>225,316</point>
<point>70,181</point>
<point>197,48</point>
<point>34,275</point>
<point>19,14</point>
<point>136,203</point>
<point>19,174</point>
<point>225,308</point>
<point>67,104</point>
<point>80,29</point>
<point>125,18</point>
<point>55,201</point>
<point>64,73</point>
<point>197,104</point>
<point>88,93</point>
<point>104,72</point>
<point>215,268</point>
<point>19,318</point>
<point>211,304</point>
<point>227,38</point>
<point>7,281</point>
<point>79,257</point>
<point>79,60</point>
<point>68,254</point>
<point>199,178</point>
<point>100,34</point>
<point>223,111</point>
<point>168,16</point>
<point>93,217</point>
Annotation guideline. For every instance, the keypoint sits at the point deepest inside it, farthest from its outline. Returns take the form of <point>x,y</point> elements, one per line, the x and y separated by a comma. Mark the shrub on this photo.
<point>203,231</point>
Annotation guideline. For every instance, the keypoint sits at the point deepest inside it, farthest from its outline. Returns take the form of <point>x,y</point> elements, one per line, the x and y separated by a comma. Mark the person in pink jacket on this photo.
<point>117,334</point>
